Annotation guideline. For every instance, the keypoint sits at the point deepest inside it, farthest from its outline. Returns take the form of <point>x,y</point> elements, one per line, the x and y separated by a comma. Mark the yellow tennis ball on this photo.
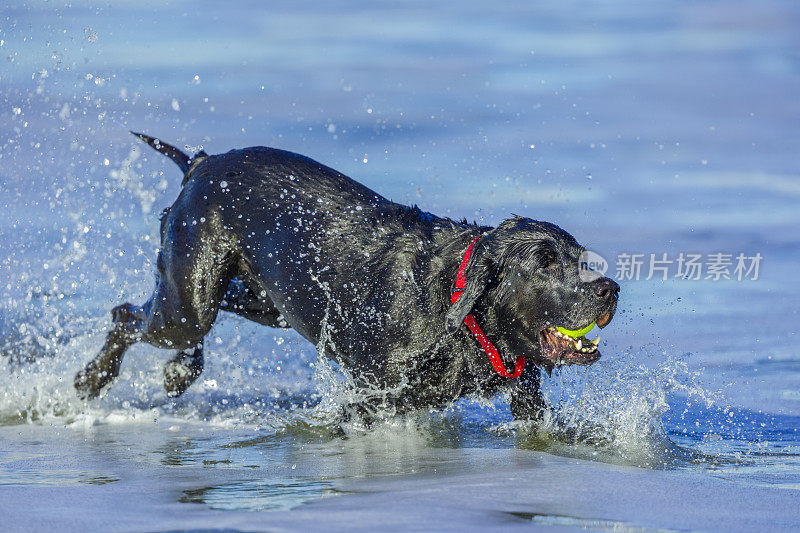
<point>576,332</point>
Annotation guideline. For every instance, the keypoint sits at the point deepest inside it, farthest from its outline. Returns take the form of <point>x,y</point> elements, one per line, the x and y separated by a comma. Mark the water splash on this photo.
<point>125,178</point>
<point>614,411</point>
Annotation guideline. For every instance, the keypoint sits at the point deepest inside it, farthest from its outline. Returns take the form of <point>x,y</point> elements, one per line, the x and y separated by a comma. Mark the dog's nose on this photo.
<point>606,289</point>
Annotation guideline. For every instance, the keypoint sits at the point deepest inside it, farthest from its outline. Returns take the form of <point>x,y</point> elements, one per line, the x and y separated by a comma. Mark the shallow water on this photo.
<point>663,127</point>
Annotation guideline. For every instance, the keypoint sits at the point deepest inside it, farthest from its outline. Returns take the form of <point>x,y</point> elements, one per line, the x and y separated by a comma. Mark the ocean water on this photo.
<point>640,127</point>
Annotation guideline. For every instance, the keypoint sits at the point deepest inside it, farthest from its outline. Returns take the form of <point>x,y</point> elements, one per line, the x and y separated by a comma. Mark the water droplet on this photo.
<point>91,35</point>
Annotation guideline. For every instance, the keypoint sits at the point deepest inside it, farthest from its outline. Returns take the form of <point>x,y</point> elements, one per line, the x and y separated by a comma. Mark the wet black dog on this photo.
<point>284,241</point>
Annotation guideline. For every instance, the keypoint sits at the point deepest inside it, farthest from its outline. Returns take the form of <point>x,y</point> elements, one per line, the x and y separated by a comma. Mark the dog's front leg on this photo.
<point>527,401</point>
<point>369,411</point>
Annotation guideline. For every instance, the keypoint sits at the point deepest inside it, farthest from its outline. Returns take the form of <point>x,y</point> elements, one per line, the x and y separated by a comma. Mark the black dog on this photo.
<point>284,241</point>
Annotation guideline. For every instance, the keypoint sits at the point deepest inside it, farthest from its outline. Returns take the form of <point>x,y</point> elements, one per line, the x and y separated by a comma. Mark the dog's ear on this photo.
<point>478,276</point>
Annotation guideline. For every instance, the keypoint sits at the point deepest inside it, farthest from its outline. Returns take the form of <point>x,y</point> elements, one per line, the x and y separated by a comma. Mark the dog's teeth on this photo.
<point>578,344</point>
<point>595,342</point>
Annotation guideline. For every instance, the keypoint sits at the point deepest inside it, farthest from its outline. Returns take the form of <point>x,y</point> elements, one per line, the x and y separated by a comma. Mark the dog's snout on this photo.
<point>606,288</point>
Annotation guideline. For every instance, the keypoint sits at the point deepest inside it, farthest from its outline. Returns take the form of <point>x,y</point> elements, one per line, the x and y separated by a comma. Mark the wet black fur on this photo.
<point>287,242</point>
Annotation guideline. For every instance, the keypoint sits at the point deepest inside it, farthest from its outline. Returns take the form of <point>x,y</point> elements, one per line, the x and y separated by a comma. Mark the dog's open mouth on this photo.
<point>571,347</point>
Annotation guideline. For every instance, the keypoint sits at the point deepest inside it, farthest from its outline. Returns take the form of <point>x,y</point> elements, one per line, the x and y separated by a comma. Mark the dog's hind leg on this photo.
<point>182,370</point>
<point>194,270</point>
<point>104,368</point>
<point>241,299</point>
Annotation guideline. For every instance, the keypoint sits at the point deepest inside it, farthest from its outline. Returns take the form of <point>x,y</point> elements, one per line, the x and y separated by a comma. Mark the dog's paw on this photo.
<point>122,313</point>
<point>181,371</point>
<point>90,381</point>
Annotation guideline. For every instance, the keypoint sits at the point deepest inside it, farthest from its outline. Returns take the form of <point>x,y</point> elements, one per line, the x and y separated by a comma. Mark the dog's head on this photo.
<point>529,292</point>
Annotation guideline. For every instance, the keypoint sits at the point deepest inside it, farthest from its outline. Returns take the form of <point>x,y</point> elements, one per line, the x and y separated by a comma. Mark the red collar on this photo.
<point>469,320</point>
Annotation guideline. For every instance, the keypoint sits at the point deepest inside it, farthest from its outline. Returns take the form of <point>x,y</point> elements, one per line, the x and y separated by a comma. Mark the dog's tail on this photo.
<point>181,159</point>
